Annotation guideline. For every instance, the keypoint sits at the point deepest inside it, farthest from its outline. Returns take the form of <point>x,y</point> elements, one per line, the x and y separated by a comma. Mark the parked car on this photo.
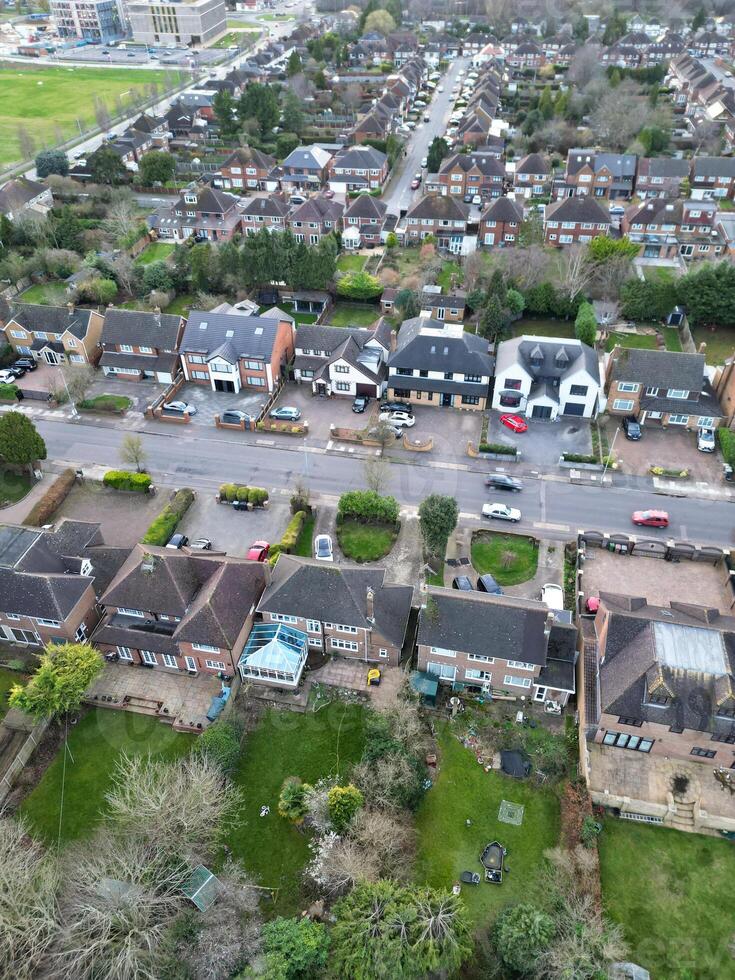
<point>499,481</point>
<point>467,198</point>
<point>323,550</point>
<point>181,408</point>
<point>233,416</point>
<point>26,362</point>
<point>651,518</point>
<point>552,595</point>
<point>201,544</point>
<point>486,583</point>
<point>406,407</point>
<point>177,541</point>
<point>476,199</point>
<point>632,428</point>
<point>16,371</point>
<point>415,184</point>
<point>706,440</point>
<point>425,160</point>
<point>440,88</point>
<point>240,505</point>
<point>7,378</point>
<point>285,413</point>
<point>514,422</point>
<point>500,512</point>
<point>374,433</point>
<point>463,583</point>
<point>398,419</point>
<point>427,118</point>
<point>258,551</point>
<point>360,404</point>
<point>329,193</point>
<point>296,199</point>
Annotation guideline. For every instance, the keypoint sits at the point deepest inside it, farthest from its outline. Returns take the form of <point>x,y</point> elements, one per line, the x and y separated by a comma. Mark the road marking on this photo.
<point>265,442</point>
<point>546,526</point>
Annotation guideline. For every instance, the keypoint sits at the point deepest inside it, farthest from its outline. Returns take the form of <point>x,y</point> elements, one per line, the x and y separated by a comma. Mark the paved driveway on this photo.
<point>231,530</point>
<point>141,393</point>
<point>321,412</point>
<point>210,403</point>
<point>670,448</point>
<point>450,428</point>
<point>544,442</point>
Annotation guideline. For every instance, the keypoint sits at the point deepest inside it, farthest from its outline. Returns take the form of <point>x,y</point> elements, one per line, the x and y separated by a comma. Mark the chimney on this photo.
<point>393,340</point>
<point>370,605</point>
<point>702,347</point>
<point>547,626</point>
<point>70,308</point>
<point>157,315</point>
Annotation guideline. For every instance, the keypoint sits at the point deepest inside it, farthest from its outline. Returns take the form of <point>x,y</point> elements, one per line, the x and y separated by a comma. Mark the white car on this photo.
<point>501,512</point>
<point>552,595</point>
<point>398,419</point>
<point>440,88</point>
<point>424,161</point>
<point>7,378</point>
<point>477,199</point>
<point>706,440</point>
<point>183,408</point>
<point>323,548</point>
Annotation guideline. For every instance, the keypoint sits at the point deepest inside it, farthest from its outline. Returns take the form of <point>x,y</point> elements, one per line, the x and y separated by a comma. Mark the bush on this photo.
<point>344,802</point>
<point>228,492</point>
<point>292,532</point>
<point>242,494</point>
<point>165,524</point>
<point>292,803</point>
<point>257,496</point>
<point>42,512</point>
<point>727,444</point>
<point>590,831</point>
<point>359,286</point>
<point>8,392</point>
<point>579,458</point>
<point>127,480</point>
<point>499,448</point>
<point>221,744</point>
<point>367,506</point>
<point>585,325</point>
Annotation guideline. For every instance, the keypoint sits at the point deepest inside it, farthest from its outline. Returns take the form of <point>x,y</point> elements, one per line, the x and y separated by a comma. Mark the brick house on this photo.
<point>22,194</point>
<point>245,167</point>
<point>181,611</point>
<point>443,217</point>
<point>574,220</point>
<point>500,223</point>
<point>661,387</point>
<point>306,167</point>
<point>532,176</point>
<point>265,212</point>
<point>137,345</point>
<point>372,126</point>
<point>343,361</point>
<point>660,176</point>
<point>344,610</point>
<point>357,168</point>
<point>665,228</point>
<point>55,334</point>
<point>363,221</point>
<point>606,175</point>
<point>50,581</point>
<point>445,307</point>
<point>712,177</point>
<point>528,54</point>
<point>314,219</point>
<point>229,352</point>
<point>472,173</point>
<point>205,213</point>
<point>496,643</point>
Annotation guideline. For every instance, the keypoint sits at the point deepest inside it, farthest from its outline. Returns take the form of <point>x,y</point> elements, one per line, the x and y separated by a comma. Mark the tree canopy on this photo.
<point>437,519</point>
<point>63,675</point>
<point>20,443</point>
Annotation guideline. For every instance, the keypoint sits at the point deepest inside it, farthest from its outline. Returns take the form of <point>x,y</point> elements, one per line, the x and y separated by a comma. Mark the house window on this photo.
<point>703,753</point>
<point>652,392</point>
<point>342,385</point>
<point>510,679</point>
<point>131,612</point>
<point>214,664</point>
<point>280,618</point>
<point>315,641</point>
<point>628,386</point>
<point>578,390</point>
<point>195,359</point>
<point>313,626</point>
<point>54,623</point>
<point>200,375</point>
<point>474,378</point>
<point>191,664</point>
<point>255,382</point>
<point>728,737</point>
<point>624,741</point>
<point>520,665</point>
<point>678,419</point>
<point>126,348</point>
<point>383,653</point>
<point>145,350</point>
<point>81,634</point>
<point>71,342</point>
<point>205,648</point>
<point>169,661</point>
<point>470,399</point>
<point>349,645</point>
<point>252,365</point>
<point>442,652</point>
<point>478,675</point>
<point>633,722</point>
<point>623,404</point>
<point>18,334</point>
<point>445,672</point>
<point>341,369</point>
<point>480,658</point>
<point>341,628</point>
<point>149,657</point>
<point>677,393</point>
<point>124,653</point>
<point>705,421</point>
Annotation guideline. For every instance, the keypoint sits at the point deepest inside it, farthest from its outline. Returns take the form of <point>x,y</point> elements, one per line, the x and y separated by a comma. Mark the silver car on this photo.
<point>182,408</point>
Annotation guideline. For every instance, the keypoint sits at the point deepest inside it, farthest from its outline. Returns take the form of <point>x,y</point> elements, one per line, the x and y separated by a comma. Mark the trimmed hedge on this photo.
<point>42,512</point>
<point>291,535</point>
<point>256,496</point>
<point>161,529</point>
<point>727,444</point>
<point>498,448</point>
<point>579,458</point>
<point>127,480</point>
<point>367,506</point>
<point>8,392</point>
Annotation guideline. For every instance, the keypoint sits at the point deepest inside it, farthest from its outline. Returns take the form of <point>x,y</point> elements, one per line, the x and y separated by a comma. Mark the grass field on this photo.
<point>311,746</point>
<point>46,100</point>
<point>353,314</point>
<point>510,558</point>
<point>155,252</point>
<point>365,542</point>
<point>13,486</point>
<point>446,846</point>
<point>673,893</point>
<point>95,744</point>
<point>241,38</point>
<point>350,263</point>
<point>7,679</point>
<point>646,341</point>
<point>45,293</point>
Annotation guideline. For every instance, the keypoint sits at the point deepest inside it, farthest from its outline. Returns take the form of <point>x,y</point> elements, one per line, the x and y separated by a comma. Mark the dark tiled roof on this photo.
<point>660,369</point>
<point>156,330</point>
<point>441,208</point>
<point>245,156</point>
<point>663,167</point>
<point>713,167</point>
<point>273,206</point>
<point>503,209</point>
<point>533,163</point>
<point>164,363</point>
<point>252,336</point>
<point>366,206</point>
<point>17,193</point>
<point>52,319</point>
<point>427,344</point>
<point>578,209</point>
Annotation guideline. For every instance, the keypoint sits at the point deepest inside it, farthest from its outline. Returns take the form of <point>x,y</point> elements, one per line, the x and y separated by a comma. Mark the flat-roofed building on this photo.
<point>194,22</point>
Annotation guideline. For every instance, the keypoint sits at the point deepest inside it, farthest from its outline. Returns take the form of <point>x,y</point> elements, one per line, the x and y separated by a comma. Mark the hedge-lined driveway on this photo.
<point>232,530</point>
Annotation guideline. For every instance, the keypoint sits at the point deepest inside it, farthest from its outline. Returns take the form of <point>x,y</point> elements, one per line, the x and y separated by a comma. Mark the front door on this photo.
<point>221,385</point>
<point>51,357</point>
<point>446,400</point>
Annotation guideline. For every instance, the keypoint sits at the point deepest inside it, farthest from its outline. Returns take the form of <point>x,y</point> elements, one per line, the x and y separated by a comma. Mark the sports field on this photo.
<point>46,101</point>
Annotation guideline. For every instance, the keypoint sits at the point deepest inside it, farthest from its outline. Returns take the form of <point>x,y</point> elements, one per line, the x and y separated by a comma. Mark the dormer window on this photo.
<point>561,356</point>
<point>190,198</point>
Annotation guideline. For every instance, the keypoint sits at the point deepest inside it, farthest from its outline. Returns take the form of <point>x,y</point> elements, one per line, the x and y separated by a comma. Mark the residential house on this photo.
<point>621,56</point>
<point>363,222</point>
<point>185,123</point>
<point>357,168</point>
<point>344,610</point>
<point>532,176</point>
<point>528,54</point>
<point>306,167</point>
<point>666,228</point>
<point>372,126</point>
<point>712,177</point>
<point>55,334</point>
<point>245,168</point>
<point>343,361</point>
<point>497,644</point>
<point>203,212</point>
<point>179,610</point>
<point>443,217</point>
<point>265,212</point>
<point>710,45</point>
<point>21,195</point>
<point>138,345</point>
<point>51,580</point>
<point>661,387</point>
<point>446,307</point>
<point>605,175</point>
<point>500,223</point>
<point>131,146</point>
<point>472,173</point>
<point>546,377</point>
<point>660,176</point>
<point>575,220</point>
<point>229,352</point>
<point>439,364</point>
<point>315,218</point>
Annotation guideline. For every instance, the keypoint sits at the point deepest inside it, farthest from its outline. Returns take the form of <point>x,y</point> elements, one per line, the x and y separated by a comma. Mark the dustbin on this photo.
<point>727,472</point>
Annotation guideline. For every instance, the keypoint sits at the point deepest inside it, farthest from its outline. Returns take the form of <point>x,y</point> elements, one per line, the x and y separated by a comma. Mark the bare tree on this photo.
<point>585,65</point>
<point>619,115</point>
<point>28,883</point>
<point>101,113</point>
<point>352,97</point>
<point>526,266</point>
<point>377,473</point>
<point>382,780</point>
<point>707,137</point>
<point>122,218</point>
<point>397,841</point>
<point>383,433</point>
<point>77,380</point>
<point>124,269</point>
<point>132,452</point>
<point>573,270</point>
<point>475,268</point>
<point>610,276</point>
<point>26,143</point>
<point>340,862</point>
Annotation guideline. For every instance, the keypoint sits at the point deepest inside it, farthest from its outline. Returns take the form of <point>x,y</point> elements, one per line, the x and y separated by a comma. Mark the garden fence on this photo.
<point>22,756</point>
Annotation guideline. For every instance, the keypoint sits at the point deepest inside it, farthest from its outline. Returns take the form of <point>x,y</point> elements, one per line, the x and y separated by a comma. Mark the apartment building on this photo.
<point>101,21</point>
<point>190,22</point>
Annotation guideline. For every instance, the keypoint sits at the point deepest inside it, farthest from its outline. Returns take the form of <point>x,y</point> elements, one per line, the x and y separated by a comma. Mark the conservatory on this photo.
<point>274,654</point>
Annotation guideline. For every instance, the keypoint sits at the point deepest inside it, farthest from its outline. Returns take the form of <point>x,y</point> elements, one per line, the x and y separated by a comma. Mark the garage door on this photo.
<point>573,408</point>
<point>365,389</point>
<point>541,412</point>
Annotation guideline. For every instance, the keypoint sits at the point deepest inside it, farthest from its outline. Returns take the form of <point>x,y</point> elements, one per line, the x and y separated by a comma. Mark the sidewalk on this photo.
<point>17,513</point>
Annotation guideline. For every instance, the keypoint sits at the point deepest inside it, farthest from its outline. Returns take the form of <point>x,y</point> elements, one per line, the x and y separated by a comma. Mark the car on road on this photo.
<point>406,407</point>
<point>233,416</point>
<point>476,200</point>
<point>323,550</point>
<point>486,583</point>
<point>360,404</point>
<point>705,439</point>
<point>650,518</point>
<point>467,198</point>
<point>499,481</point>
<point>329,193</point>
<point>399,419</point>
<point>552,595</point>
<point>201,544</point>
<point>285,413</point>
<point>514,422</point>
<point>500,512</point>
<point>425,160</point>
<point>258,551</point>
<point>440,88</point>
<point>177,541</point>
<point>632,428</point>
<point>26,362</point>
<point>415,184</point>
<point>426,118</point>
<point>180,408</point>
<point>463,583</point>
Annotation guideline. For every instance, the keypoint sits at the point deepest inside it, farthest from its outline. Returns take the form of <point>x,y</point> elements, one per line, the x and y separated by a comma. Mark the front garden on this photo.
<point>509,558</point>
<point>367,525</point>
<point>13,486</point>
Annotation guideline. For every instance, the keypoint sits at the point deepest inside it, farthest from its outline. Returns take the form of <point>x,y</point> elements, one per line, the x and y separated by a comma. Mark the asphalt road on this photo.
<point>399,196</point>
<point>551,508</point>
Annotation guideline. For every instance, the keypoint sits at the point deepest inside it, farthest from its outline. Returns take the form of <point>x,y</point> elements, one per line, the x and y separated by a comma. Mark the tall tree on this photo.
<point>293,115</point>
<point>157,167</point>
<point>437,151</point>
<point>293,66</point>
<point>226,113</point>
<point>52,162</point>
<point>60,682</point>
<point>380,21</point>
<point>259,102</point>
<point>20,443</point>
<point>106,166</point>
<point>438,515</point>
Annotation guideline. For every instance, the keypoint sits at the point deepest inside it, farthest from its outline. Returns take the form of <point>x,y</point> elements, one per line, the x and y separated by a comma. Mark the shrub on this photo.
<point>8,392</point>
<point>163,526</point>
<point>221,743</point>
<point>182,501</point>
<point>359,286</point>
<point>727,444</point>
<point>127,480</point>
<point>242,493</point>
<point>257,496</point>
<point>292,532</point>
<point>42,512</point>
<point>344,802</point>
<point>585,325</point>
<point>228,492</point>
<point>579,458</point>
<point>292,803</point>
<point>367,506</point>
<point>499,448</point>
<point>590,831</point>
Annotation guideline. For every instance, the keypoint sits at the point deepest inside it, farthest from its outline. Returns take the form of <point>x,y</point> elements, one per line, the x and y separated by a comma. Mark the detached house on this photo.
<point>205,213</point>
<point>21,195</point>
<point>363,221</point>
<point>138,345</point>
<point>471,173</point>
<point>245,168</point>
<point>265,212</point>
<point>543,378</point>
<point>343,361</point>
<point>55,334</point>
<point>357,168</point>
<point>306,167</point>
<point>228,351</point>
<point>607,175</point>
<point>439,364</point>
<point>500,223</point>
<point>177,611</point>
<point>532,176</point>
<point>574,220</point>
<point>314,219</point>
<point>661,387</point>
<point>496,644</point>
<point>443,217</point>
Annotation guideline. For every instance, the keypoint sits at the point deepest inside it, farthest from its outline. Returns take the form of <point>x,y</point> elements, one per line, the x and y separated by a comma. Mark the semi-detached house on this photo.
<point>137,345</point>
<point>575,220</point>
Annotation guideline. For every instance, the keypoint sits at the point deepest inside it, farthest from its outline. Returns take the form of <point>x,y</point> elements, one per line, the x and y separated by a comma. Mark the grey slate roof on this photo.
<point>19,192</point>
<point>660,369</point>
<point>316,336</point>
<point>251,336</point>
<point>577,209</point>
<point>533,163</point>
<point>663,167</point>
<point>312,589</point>
<point>439,350</point>
<point>437,207</point>
<point>360,157</point>
<point>137,328</point>
<point>52,319</point>
<point>503,209</point>
<point>545,357</point>
<point>713,167</point>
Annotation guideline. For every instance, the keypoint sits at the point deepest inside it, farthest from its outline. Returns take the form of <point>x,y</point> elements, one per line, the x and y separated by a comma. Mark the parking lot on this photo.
<point>544,442</point>
<point>231,530</point>
<point>670,448</point>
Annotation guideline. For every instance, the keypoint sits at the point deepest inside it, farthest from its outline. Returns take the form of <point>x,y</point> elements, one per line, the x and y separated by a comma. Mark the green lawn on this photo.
<point>350,263</point>
<point>239,38</point>
<point>543,328</point>
<point>242,25</point>
<point>155,252</point>
<point>7,679</point>
<point>95,744</point>
<point>106,403</point>
<point>353,314</point>
<point>674,895</point>
<point>304,544</point>
<point>720,343</point>
<point>446,846</point>
<point>645,341</point>
<point>365,542</point>
<point>46,293</point>
<point>13,486</point>
<point>181,305</point>
<point>449,271</point>
<point>44,100</point>
<point>312,746</point>
<point>510,558</point>
<point>658,273</point>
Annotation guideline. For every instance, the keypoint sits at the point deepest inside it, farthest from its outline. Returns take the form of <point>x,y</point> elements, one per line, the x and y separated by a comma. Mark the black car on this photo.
<point>239,505</point>
<point>498,481</point>
<point>360,404</point>
<point>396,407</point>
<point>463,583</point>
<point>632,428</point>
<point>18,371</point>
<point>25,362</point>
<point>486,583</point>
<point>177,541</point>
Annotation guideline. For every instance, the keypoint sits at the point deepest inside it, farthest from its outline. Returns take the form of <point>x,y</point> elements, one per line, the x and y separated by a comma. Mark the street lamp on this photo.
<point>74,412</point>
<point>609,456</point>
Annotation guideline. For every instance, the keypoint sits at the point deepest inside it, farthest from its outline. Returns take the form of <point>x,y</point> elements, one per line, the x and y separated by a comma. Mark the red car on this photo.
<point>415,184</point>
<point>258,551</point>
<point>651,518</point>
<point>514,422</point>
<point>592,604</point>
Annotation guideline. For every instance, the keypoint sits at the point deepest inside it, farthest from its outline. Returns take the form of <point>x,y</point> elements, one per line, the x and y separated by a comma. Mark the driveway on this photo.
<point>544,442</point>
<point>210,403</point>
<point>141,393</point>
<point>670,448</point>
<point>233,531</point>
<point>321,412</point>
<point>450,428</point>
<point>124,516</point>
<point>46,377</point>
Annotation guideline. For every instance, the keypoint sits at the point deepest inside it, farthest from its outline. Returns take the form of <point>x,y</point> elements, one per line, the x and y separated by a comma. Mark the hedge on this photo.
<point>727,444</point>
<point>8,392</point>
<point>579,458</point>
<point>498,448</point>
<point>256,496</point>
<point>291,534</point>
<point>127,480</point>
<point>42,512</point>
<point>221,744</point>
<point>165,524</point>
<point>367,506</point>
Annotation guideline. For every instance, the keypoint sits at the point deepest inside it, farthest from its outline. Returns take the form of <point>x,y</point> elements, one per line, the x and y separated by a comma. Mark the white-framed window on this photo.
<point>478,675</point>
<point>442,652</point>
<point>280,618</point>
<point>81,634</point>
<point>383,653</point>
<point>124,611</point>
<point>70,341</point>
<point>215,664</point>
<point>126,348</point>
<point>678,419</point>
<point>628,386</point>
<point>677,393</point>
<point>651,391</point>
<point>340,627</point>
<point>480,658</point>
<point>313,626</point>
<point>54,623</point>
<point>512,680</point>
<point>623,404</point>
<point>124,653</point>
<point>446,672</point>
<point>191,664</point>
<point>205,647</point>
<point>566,239</point>
<point>350,645</point>
<point>149,657</point>
<point>315,641</point>
<point>705,421</point>
<point>18,334</point>
<point>255,382</point>
<point>520,665</point>
<point>169,661</point>
<point>12,616</point>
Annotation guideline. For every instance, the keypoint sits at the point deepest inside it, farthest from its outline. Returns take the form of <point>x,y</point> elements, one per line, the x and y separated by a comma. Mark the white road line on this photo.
<point>544,525</point>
